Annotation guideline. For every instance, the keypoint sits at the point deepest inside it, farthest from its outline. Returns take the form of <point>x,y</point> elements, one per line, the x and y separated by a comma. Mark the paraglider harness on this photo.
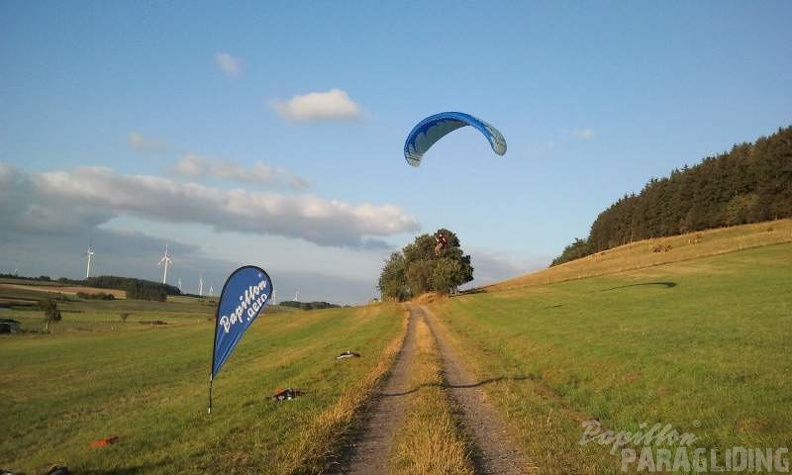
<point>287,394</point>
<point>348,354</point>
<point>442,243</point>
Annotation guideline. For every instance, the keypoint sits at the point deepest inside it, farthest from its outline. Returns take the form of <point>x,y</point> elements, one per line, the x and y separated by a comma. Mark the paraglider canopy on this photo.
<point>437,126</point>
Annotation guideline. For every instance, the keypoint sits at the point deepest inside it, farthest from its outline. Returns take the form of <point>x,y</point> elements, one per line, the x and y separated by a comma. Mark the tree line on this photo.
<point>137,289</point>
<point>417,269</point>
<point>308,305</point>
<point>749,184</point>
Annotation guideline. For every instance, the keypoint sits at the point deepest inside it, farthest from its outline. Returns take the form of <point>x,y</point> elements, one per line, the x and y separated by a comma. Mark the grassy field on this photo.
<point>695,336</point>
<point>701,344</point>
<point>96,377</point>
<point>94,316</point>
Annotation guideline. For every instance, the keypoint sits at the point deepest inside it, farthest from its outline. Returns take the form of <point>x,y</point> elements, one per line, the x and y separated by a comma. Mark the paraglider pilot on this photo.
<point>441,242</point>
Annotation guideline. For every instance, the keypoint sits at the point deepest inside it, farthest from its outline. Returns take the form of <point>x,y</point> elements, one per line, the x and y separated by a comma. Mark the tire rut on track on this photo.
<point>369,454</point>
<point>495,452</point>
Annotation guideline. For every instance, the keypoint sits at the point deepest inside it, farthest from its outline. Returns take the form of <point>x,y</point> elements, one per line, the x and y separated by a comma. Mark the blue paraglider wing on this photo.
<point>437,126</point>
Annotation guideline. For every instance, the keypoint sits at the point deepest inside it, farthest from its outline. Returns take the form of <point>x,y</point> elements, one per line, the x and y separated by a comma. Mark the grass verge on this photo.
<point>320,444</point>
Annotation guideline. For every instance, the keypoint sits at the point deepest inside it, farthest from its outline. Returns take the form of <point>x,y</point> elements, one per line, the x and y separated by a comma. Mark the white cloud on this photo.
<point>193,166</point>
<point>584,134</point>
<point>93,195</point>
<point>318,106</point>
<point>136,254</point>
<point>196,166</point>
<point>137,142</point>
<point>231,66</point>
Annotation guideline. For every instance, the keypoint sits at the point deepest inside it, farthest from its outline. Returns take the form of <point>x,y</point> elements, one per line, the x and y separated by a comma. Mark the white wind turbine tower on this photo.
<point>200,284</point>
<point>297,296</point>
<point>165,262</point>
<point>211,290</point>
<point>89,254</point>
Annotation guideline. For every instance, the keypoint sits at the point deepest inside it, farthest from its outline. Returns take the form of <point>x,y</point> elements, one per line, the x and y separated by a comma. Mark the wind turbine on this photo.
<point>89,254</point>
<point>200,284</point>
<point>296,296</point>
<point>180,284</point>
<point>211,290</point>
<point>165,262</point>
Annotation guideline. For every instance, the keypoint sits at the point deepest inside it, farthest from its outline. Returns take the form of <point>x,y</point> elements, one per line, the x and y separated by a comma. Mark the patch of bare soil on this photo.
<point>495,452</point>
<point>63,289</point>
<point>369,453</point>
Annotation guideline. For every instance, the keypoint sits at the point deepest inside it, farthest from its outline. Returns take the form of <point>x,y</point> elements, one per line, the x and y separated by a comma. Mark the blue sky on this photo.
<point>271,133</point>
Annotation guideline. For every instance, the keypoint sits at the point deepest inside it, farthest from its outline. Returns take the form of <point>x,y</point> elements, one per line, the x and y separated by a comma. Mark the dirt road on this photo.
<point>369,454</point>
<point>494,452</point>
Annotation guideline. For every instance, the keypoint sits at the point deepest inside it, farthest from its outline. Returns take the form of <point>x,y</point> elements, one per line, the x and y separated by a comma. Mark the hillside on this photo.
<point>652,252</point>
<point>752,183</point>
<point>694,338</point>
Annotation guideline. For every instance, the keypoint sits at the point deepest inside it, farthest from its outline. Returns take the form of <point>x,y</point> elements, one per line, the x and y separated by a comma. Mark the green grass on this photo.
<point>701,344</point>
<point>696,337</point>
<point>149,386</point>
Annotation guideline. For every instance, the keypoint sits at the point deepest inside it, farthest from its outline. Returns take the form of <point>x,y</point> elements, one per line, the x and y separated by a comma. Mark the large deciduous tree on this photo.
<point>417,269</point>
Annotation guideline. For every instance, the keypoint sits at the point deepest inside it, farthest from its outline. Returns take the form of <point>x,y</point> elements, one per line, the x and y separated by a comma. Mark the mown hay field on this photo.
<point>147,384</point>
<point>700,344</point>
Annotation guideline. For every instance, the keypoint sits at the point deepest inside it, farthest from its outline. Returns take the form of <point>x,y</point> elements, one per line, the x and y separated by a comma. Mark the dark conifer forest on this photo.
<point>749,184</point>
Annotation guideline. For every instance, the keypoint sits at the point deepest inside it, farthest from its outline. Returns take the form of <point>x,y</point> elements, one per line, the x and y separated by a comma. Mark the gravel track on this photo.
<point>494,452</point>
<point>369,454</point>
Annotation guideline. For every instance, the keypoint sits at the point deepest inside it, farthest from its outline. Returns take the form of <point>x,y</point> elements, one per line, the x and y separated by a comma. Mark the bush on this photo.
<point>51,313</point>
<point>99,296</point>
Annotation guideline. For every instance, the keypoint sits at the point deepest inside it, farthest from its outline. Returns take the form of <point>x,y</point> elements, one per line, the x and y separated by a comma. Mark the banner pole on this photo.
<point>243,295</point>
<point>211,377</point>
